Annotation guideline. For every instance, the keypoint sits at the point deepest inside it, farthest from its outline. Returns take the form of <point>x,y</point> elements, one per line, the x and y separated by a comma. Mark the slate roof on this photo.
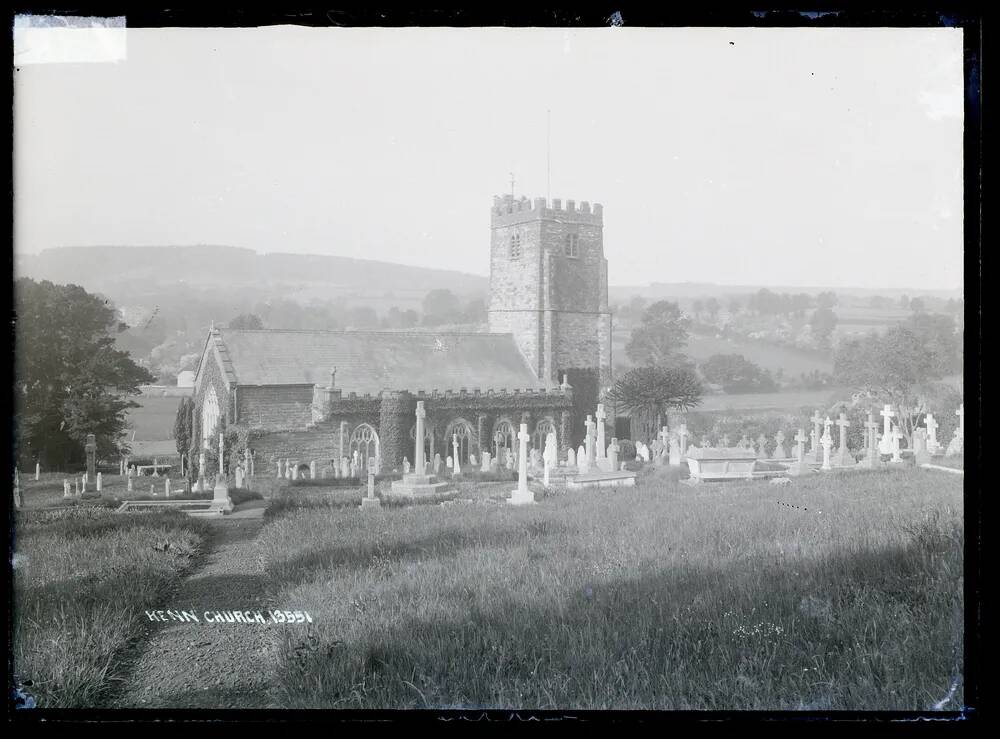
<point>371,361</point>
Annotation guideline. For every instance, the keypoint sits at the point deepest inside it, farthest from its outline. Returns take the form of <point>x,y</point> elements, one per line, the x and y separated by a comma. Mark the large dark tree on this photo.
<point>660,336</point>
<point>898,367</point>
<point>737,374</point>
<point>182,426</point>
<point>654,390</point>
<point>70,380</point>
<point>822,322</point>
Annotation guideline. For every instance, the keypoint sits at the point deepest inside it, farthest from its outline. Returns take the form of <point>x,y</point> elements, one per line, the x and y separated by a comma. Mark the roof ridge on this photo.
<point>384,332</point>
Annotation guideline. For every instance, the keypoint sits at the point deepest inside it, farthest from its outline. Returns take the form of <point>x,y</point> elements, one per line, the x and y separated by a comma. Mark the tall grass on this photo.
<point>841,592</point>
<point>83,578</point>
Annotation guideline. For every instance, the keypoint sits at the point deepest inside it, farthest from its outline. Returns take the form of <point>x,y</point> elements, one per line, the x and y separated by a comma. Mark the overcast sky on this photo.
<point>744,156</point>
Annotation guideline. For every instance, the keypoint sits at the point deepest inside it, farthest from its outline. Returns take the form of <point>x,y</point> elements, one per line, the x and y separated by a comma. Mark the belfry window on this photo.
<point>572,245</point>
<point>515,246</point>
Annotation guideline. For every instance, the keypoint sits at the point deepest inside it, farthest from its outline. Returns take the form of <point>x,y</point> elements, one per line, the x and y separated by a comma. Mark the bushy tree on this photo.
<point>826,300</point>
<point>249,321</point>
<point>655,390</point>
<point>182,427</point>
<point>712,306</point>
<point>822,323</point>
<point>70,380</point>
<point>895,368</point>
<point>737,374</point>
<point>660,336</point>
<point>441,306</point>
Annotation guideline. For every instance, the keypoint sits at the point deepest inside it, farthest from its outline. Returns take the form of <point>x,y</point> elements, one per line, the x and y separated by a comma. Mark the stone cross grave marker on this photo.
<point>419,438</point>
<point>932,426</point>
<point>91,449</point>
<point>522,495</point>
<point>843,456</point>
<point>886,445</point>
<point>895,436</point>
<point>601,416</point>
<point>799,466</point>
<point>826,442</point>
<point>814,438</point>
<point>589,454</point>
<point>457,470</point>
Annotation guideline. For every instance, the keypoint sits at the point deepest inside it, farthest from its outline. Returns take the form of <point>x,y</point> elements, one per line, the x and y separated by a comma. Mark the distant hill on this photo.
<point>664,291</point>
<point>111,269</point>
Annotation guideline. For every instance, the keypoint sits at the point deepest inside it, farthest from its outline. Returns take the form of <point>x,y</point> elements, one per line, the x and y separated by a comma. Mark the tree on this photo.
<point>904,302</point>
<point>822,323</point>
<point>70,380</point>
<point>737,374</point>
<point>917,305</point>
<point>936,333</point>
<point>734,306</point>
<point>441,306</point>
<point>826,300</point>
<point>657,339</point>
<point>697,307</point>
<point>712,306</point>
<point>654,390</point>
<point>182,427</point>
<point>895,367</point>
<point>249,321</point>
<point>475,311</point>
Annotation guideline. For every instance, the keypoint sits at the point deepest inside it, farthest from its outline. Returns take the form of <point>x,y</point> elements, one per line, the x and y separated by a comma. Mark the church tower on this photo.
<point>549,287</point>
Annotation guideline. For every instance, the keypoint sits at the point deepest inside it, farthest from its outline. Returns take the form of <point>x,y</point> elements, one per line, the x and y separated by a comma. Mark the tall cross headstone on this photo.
<point>457,470</point>
<point>896,435</point>
<point>601,416</point>
<point>418,439</point>
<point>843,455</point>
<point>814,437</point>
<point>799,466</point>
<point>588,453</point>
<point>932,426</point>
<point>522,495</point>
<point>91,448</point>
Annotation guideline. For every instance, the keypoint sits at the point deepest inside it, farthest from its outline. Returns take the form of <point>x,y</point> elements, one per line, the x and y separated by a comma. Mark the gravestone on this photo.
<point>886,443</point>
<point>920,451</point>
<point>166,487</point>
<point>128,483</point>
<point>581,459</point>
<point>799,466</point>
<point>779,446</point>
<point>642,451</point>
<point>450,462</point>
<point>472,461</point>
<point>814,436</point>
<point>239,477</point>
<point>957,444</point>
<point>682,434</point>
<point>675,450</point>
<point>437,464</point>
<point>100,481</point>
<point>933,447</point>
<point>312,470</point>
<point>522,495</point>
<point>535,459</point>
<point>487,460</point>
<point>370,502</point>
<point>591,457</point>
<point>68,493</point>
<point>550,456</point>
<point>762,447</point>
<point>457,470</point>
<point>843,457</point>
<point>91,449</point>
<point>743,443</point>
<point>38,471</point>
<point>895,436</point>
<point>570,458</point>
<point>826,442</point>
<point>345,466</point>
<point>613,450</point>
<point>601,416</point>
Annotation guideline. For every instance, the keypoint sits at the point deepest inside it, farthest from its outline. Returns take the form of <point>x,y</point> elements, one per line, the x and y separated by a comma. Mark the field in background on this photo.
<point>841,592</point>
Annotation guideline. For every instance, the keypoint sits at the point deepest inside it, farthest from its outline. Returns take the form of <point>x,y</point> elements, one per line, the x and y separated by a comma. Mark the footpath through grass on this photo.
<point>83,578</point>
<point>838,592</point>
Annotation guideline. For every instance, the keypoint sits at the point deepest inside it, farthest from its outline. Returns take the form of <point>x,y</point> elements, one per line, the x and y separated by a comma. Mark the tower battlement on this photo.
<point>507,209</point>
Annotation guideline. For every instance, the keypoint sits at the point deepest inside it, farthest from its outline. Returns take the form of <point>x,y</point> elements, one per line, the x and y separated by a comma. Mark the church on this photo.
<point>324,395</point>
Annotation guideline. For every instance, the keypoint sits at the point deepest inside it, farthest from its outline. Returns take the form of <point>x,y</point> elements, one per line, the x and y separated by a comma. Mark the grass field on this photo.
<point>840,592</point>
<point>82,579</point>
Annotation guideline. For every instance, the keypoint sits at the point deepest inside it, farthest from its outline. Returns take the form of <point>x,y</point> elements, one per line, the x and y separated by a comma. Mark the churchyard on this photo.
<point>510,586</point>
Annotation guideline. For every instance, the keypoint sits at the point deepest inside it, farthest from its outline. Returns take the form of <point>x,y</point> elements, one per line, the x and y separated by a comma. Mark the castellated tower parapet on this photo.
<point>549,284</point>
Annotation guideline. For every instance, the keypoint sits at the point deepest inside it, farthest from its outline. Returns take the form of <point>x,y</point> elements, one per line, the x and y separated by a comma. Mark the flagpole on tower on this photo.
<point>548,153</point>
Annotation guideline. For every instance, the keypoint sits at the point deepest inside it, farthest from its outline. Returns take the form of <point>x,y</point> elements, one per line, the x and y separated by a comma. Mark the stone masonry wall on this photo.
<point>274,407</point>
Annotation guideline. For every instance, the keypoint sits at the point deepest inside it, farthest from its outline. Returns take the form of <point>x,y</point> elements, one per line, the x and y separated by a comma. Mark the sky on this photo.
<point>813,157</point>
